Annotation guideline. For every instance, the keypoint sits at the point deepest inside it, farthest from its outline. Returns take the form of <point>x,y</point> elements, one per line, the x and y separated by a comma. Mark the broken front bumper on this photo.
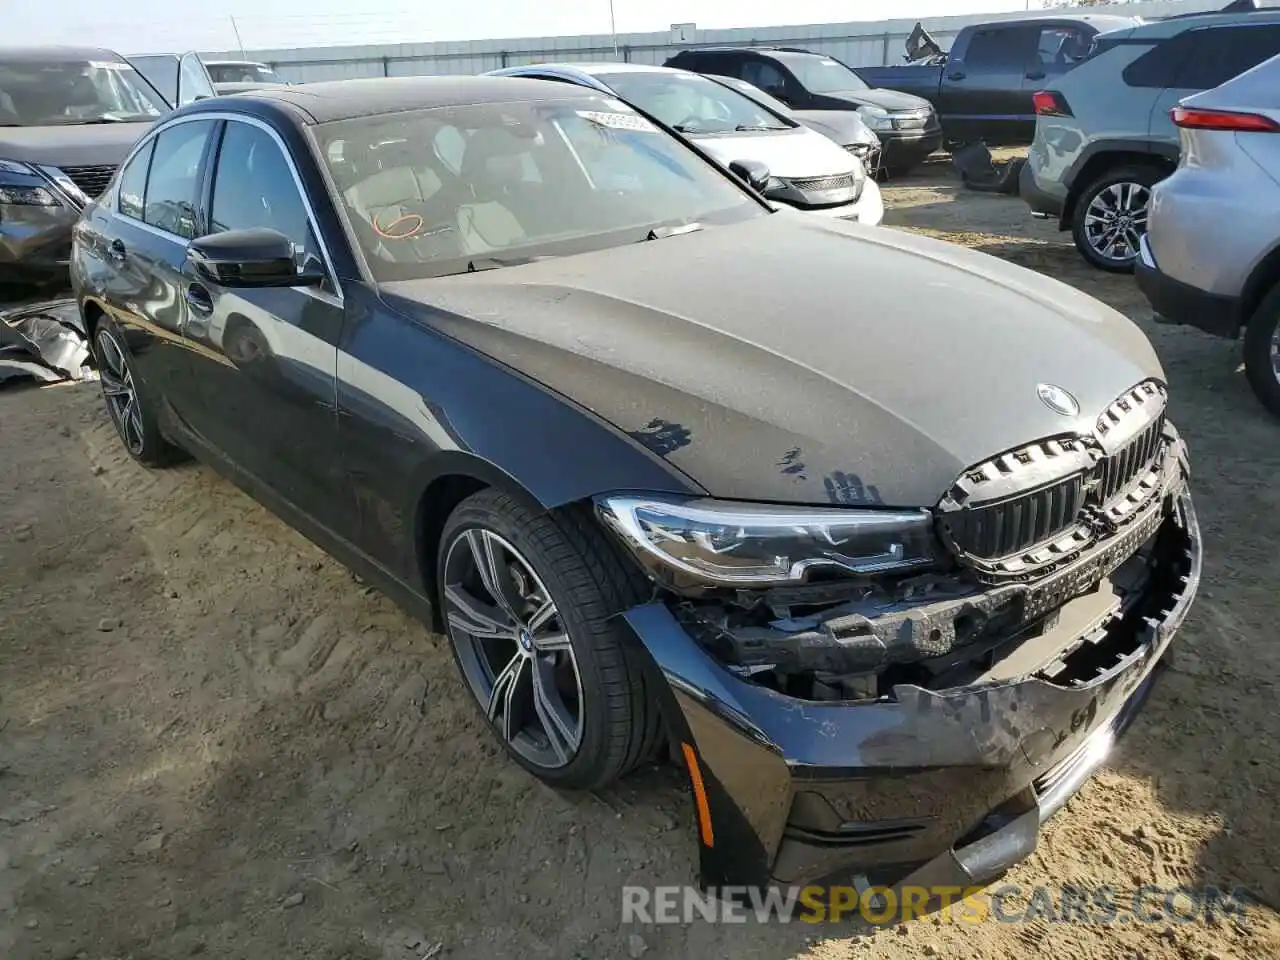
<point>945,786</point>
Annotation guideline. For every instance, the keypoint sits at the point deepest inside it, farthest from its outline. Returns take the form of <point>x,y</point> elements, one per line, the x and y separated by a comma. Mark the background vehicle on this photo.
<point>906,125</point>
<point>844,127</point>
<point>236,76</point>
<point>180,78</point>
<point>982,88</point>
<point>1103,132</point>
<point>806,170</point>
<point>1211,256</point>
<point>578,403</point>
<point>67,118</point>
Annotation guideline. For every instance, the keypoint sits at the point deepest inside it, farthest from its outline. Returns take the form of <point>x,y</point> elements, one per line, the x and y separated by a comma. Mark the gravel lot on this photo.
<point>213,740</point>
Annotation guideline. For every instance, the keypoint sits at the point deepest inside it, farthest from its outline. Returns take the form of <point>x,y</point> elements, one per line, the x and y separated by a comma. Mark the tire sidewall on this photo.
<point>491,510</point>
<point>1146,176</point>
<point>1257,352</point>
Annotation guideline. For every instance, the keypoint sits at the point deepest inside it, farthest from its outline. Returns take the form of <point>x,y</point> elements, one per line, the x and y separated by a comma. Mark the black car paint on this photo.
<point>382,442</point>
<point>362,414</point>
<point>992,104</point>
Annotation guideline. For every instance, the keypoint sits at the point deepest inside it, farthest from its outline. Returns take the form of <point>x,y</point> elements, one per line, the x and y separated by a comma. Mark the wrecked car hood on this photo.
<point>71,145</point>
<point>800,359</point>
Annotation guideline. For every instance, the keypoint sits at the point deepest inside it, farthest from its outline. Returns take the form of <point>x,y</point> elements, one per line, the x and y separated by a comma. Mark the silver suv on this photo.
<point>1103,133</point>
<point>1211,258</point>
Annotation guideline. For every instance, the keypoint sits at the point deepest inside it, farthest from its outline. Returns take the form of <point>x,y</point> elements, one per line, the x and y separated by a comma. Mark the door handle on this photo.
<point>198,299</point>
<point>116,250</point>
<point>1035,75</point>
<point>955,75</point>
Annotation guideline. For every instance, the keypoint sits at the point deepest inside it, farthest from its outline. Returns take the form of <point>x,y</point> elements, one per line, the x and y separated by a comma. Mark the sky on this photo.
<point>134,26</point>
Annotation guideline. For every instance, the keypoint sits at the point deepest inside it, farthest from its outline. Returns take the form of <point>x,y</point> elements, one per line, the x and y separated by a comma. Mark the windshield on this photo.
<point>823,75</point>
<point>454,189</point>
<point>691,103</point>
<point>45,93</point>
<point>756,94</point>
<point>242,73</point>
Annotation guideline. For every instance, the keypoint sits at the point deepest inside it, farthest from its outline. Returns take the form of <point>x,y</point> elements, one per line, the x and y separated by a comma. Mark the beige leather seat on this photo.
<point>492,170</point>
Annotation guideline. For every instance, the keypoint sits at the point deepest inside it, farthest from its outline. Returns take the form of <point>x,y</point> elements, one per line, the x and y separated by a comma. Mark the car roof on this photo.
<point>232,63</point>
<point>56,54</point>
<point>592,69</point>
<point>1159,29</point>
<point>347,99</point>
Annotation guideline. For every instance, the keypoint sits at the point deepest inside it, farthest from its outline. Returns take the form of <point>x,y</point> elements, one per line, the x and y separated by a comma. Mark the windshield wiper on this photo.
<point>661,233</point>
<point>476,264</point>
<point>743,127</point>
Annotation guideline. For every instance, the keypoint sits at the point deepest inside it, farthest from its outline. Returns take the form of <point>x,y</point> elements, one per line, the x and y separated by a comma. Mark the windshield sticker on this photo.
<point>617,121</point>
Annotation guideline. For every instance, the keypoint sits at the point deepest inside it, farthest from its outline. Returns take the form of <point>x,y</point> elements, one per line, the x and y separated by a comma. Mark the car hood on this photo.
<point>74,145</point>
<point>795,153</point>
<point>842,126</point>
<point>891,100</point>
<point>799,359</point>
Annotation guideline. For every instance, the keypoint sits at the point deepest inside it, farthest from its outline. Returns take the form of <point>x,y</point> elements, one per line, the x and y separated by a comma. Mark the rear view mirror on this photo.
<point>250,258</point>
<point>753,171</point>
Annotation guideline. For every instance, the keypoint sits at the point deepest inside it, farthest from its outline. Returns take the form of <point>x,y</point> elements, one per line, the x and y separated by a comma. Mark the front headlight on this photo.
<point>21,185</point>
<point>744,544</point>
<point>877,118</point>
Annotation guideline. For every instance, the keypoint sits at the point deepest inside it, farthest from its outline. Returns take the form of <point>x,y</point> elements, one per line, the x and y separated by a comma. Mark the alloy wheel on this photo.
<point>513,647</point>
<point>120,391</point>
<point>1116,219</point>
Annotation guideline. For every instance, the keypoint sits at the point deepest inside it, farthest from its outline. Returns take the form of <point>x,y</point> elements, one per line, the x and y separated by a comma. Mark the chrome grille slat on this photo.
<point>817,184</point>
<point>989,518</point>
<point>91,179</point>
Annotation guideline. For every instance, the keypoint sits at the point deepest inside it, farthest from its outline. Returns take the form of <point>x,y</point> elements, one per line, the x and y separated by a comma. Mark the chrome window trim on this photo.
<point>336,296</point>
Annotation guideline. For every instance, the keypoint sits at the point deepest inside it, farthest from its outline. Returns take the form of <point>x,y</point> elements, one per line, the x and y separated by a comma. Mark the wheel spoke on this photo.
<point>562,732</point>
<point>112,386</point>
<point>541,617</point>
<point>502,698</point>
<point>552,643</point>
<point>484,551</point>
<point>465,613</point>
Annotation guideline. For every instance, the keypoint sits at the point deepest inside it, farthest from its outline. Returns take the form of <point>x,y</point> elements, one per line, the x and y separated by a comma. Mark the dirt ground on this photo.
<point>214,741</point>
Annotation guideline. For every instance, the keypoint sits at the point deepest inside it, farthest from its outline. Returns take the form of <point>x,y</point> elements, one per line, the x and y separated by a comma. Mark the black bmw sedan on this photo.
<point>676,474</point>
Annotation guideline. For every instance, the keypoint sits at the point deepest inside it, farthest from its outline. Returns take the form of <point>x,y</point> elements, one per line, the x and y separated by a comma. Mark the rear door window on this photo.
<point>1159,67</point>
<point>132,191</point>
<point>173,186</point>
<point>1000,48</point>
<point>1059,48</point>
<point>1219,53</point>
<point>765,75</point>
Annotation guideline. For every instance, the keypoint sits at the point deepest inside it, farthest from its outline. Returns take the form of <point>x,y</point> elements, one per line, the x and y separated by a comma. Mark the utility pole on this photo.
<point>613,29</point>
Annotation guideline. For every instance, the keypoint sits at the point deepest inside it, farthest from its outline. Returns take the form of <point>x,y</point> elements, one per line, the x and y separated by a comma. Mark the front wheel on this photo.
<point>1110,217</point>
<point>528,599</point>
<point>1262,351</point>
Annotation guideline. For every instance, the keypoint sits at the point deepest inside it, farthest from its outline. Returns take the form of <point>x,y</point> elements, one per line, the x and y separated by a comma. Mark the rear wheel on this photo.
<point>1262,351</point>
<point>1110,217</point>
<point>529,600</point>
<point>128,402</point>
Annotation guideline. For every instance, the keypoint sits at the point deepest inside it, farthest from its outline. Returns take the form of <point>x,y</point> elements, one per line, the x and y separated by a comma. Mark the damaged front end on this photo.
<point>914,711</point>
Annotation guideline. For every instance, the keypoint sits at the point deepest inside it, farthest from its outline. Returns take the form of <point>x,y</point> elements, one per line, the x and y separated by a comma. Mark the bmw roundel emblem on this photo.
<point>1057,399</point>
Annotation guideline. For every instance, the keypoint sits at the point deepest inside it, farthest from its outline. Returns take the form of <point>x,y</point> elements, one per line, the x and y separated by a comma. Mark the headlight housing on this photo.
<point>877,118</point>
<point>717,543</point>
<point>25,185</point>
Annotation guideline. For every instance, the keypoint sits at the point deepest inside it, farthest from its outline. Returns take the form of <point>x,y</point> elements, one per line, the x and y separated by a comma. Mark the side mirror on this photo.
<point>753,171</point>
<point>251,258</point>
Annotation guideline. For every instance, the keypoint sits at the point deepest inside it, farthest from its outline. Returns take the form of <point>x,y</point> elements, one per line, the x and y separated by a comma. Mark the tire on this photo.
<point>1261,336</point>
<point>129,404</point>
<point>1114,186</point>
<point>565,558</point>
